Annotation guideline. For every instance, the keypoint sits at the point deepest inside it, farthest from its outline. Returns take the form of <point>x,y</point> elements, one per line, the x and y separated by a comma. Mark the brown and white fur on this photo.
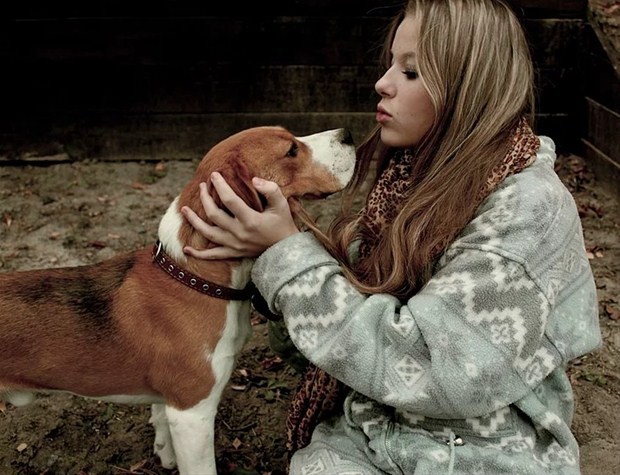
<point>124,331</point>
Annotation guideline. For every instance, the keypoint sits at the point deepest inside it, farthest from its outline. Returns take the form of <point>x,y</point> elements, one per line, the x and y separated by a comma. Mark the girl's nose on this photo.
<point>383,86</point>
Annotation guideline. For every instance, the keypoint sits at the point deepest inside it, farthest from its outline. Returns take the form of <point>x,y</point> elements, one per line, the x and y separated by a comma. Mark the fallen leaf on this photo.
<point>590,209</point>
<point>137,466</point>
<point>54,235</point>
<point>160,167</point>
<point>138,186</point>
<point>613,312</point>
<point>21,447</point>
<point>6,217</point>
<point>2,407</point>
<point>236,443</point>
<point>594,252</point>
<point>98,244</point>
<point>238,387</point>
<point>271,363</point>
<point>114,236</point>
<point>257,320</point>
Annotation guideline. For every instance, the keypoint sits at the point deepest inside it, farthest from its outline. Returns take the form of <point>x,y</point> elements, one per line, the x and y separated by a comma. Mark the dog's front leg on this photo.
<point>163,439</point>
<point>193,437</point>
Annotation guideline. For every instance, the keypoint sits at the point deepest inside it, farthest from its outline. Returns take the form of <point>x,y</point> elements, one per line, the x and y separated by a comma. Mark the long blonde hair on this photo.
<point>474,61</point>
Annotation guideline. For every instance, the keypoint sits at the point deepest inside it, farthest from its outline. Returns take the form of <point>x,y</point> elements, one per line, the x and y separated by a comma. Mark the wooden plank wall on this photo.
<point>115,80</point>
<point>601,79</point>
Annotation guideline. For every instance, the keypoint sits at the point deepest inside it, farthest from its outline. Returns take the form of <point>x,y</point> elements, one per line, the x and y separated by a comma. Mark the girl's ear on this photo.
<point>239,179</point>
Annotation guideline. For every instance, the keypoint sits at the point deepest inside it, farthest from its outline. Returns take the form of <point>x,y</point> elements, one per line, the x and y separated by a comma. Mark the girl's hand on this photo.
<point>248,232</point>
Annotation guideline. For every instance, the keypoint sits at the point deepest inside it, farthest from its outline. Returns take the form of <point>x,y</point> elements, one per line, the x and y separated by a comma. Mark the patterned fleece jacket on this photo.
<point>468,376</point>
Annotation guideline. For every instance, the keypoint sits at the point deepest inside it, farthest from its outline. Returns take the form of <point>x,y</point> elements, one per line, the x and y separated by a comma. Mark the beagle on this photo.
<point>156,326</point>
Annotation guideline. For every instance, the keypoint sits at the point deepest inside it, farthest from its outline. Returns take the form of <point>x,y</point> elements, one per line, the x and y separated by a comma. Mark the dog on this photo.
<point>155,326</point>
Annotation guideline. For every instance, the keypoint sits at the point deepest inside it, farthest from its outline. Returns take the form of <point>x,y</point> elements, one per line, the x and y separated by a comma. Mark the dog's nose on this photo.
<point>346,137</point>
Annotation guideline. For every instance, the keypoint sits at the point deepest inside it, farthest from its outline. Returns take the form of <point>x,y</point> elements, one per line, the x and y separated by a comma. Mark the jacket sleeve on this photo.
<point>471,341</point>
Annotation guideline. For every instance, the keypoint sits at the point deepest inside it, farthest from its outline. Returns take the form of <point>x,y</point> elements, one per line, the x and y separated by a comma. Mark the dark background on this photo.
<point>117,80</point>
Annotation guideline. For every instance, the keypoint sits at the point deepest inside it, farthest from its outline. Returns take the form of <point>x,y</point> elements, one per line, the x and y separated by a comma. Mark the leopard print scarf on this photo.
<point>319,394</point>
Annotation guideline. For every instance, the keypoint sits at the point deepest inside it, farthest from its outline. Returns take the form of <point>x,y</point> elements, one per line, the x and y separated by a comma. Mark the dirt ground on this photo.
<point>80,213</point>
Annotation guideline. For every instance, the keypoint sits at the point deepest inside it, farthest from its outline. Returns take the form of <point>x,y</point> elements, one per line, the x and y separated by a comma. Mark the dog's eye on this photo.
<point>292,152</point>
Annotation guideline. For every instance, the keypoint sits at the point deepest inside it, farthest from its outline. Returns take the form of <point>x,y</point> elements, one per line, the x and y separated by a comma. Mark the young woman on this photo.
<point>447,309</point>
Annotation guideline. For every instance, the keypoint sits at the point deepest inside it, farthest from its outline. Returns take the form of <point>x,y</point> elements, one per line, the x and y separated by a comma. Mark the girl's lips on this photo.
<point>382,115</point>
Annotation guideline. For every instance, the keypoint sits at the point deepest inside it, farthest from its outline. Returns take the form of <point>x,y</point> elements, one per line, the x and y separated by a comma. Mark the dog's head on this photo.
<point>314,166</point>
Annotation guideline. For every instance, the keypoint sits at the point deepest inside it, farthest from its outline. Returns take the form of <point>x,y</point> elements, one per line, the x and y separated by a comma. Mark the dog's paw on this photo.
<point>165,452</point>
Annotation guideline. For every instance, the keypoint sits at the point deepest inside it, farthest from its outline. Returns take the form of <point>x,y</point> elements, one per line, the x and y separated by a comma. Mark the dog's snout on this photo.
<point>346,137</point>
<point>333,149</point>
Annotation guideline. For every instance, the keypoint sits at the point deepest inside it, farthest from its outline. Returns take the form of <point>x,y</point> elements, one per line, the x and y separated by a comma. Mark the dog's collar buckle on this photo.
<point>168,265</point>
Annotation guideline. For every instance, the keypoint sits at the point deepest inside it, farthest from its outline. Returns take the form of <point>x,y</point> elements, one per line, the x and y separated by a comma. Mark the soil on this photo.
<point>84,212</point>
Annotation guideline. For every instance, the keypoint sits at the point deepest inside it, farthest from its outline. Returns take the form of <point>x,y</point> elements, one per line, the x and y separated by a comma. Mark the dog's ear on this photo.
<point>239,179</point>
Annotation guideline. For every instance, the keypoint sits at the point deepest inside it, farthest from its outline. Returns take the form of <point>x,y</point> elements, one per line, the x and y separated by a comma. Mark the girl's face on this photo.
<point>405,111</point>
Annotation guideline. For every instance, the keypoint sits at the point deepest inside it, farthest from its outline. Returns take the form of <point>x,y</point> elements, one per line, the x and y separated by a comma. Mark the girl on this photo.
<point>446,311</point>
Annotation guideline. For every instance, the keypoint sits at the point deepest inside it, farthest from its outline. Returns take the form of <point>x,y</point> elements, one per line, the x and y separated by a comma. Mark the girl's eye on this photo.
<point>410,74</point>
<point>292,152</point>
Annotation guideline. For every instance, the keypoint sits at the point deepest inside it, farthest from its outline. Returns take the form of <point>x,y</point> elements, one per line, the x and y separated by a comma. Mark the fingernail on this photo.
<point>215,176</point>
<point>258,181</point>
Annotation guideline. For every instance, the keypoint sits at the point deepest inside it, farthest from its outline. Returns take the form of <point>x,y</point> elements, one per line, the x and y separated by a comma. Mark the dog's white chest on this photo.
<point>237,329</point>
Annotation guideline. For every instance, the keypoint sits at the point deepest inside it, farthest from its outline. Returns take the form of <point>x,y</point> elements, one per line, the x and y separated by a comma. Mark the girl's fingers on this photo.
<point>217,215</point>
<point>230,199</point>
<point>247,233</point>
<point>271,191</point>
<point>195,220</point>
<point>214,234</point>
